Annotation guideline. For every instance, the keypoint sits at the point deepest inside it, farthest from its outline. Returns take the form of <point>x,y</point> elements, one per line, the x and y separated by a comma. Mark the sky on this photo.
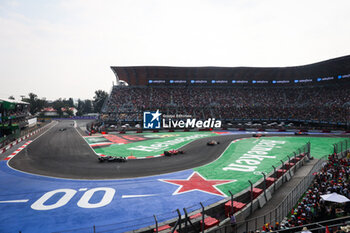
<point>64,48</point>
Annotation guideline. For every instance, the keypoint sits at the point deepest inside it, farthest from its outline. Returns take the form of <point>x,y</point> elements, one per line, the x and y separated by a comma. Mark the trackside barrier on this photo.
<point>211,212</point>
<point>25,135</point>
<point>277,214</point>
<point>342,148</point>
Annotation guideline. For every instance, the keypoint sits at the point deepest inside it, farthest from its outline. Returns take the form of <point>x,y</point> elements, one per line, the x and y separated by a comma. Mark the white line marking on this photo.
<point>14,201</point>
<point>133,196</point>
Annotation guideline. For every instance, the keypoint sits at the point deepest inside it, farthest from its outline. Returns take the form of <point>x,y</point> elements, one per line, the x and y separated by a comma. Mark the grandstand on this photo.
<point>313,95</point>
<point>13,118</point>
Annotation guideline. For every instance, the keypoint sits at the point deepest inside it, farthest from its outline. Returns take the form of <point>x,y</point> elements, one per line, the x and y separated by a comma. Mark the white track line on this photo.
<point>15,201</point>
<point>133,196</point>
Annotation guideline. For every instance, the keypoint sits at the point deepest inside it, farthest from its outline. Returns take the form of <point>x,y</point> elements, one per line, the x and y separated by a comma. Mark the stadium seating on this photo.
<point>321,103</point>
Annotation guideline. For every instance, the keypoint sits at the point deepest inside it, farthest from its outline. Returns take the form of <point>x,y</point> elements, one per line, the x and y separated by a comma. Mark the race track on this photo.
<point>65,154</point>
<point>36,199</point>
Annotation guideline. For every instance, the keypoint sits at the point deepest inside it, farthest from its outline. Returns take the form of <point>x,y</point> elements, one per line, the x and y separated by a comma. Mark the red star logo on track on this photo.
<point>197,182</point>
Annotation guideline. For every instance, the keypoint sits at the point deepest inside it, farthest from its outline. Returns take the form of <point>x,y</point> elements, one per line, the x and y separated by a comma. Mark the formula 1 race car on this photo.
<point>301,133</point>
<point>212,143</point>
<point>173,152</point>
<point>111,159</point>
<point>258,135</point>
<point>63,129</point>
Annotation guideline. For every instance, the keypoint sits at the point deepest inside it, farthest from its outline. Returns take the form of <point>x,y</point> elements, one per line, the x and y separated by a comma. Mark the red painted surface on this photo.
<point>237,206</point>
<point>210,222</point>
<point>197,182</point>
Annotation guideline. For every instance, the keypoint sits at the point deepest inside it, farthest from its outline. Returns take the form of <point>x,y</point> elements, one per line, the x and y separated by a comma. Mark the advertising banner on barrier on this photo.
<point>32,122</point>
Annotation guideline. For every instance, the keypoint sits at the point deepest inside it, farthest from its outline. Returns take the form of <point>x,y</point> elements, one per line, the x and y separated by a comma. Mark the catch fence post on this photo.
<point>232,210</point>
<point>289,166</point>
<point>264,185</point>
<point>202,216</point>
<point>179,214</point>
<point>189,220</point>
<point>282,169</point>
<point>275,174</point>
<point>186,219</point>
<point>94,229</point>
<point>295,162</point>
<point>251,196</point>
<point>155,219</point>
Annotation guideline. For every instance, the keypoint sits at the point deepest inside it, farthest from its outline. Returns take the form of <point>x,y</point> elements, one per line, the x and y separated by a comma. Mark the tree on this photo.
<point>87,106</point>
<point>11,97</point>
<point>80,107</point>
<point>58,105</point>
<point>99,99</point>
<point>71,102</point>
<point>84,106</point>
<point>35,103</point>
<point>69,112</point>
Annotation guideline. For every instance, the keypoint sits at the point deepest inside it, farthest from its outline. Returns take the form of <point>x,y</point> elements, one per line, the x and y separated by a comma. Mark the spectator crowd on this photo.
<point>321,103</point>
<point>333,178</point>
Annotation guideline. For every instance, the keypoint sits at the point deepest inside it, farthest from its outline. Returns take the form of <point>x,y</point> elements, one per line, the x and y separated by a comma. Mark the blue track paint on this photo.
<point>120,215</point>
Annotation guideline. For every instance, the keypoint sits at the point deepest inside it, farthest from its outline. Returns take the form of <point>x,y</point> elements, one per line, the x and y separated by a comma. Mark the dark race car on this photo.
<point>301,133</point>
<point>172,152</point>
<point>62,129</point>
<point>258,135</point>
<point>111,159</point>
<point>212,143</point>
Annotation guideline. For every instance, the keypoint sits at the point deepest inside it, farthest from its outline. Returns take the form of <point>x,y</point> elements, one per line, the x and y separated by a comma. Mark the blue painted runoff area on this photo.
<point>31,203</point>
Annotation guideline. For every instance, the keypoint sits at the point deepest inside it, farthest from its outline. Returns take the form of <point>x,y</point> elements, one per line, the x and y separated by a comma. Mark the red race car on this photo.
<point>172,152</point>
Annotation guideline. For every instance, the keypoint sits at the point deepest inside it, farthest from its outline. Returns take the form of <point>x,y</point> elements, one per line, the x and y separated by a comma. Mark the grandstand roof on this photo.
<point>144,75</point>
<point>13,101</point>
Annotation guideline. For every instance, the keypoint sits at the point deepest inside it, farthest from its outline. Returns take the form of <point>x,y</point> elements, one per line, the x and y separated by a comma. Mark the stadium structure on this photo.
<point>311,96</point>
<point>118,174</point>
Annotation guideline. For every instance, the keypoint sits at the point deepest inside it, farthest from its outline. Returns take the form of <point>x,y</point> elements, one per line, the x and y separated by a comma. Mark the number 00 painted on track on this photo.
<point>68,194</point>
<point>107,198</point>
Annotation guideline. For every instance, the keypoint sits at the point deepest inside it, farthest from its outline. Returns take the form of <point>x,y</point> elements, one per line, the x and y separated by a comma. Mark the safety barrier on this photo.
<point>277,214</point>
<point>24,135</point>
<point>342,148</point>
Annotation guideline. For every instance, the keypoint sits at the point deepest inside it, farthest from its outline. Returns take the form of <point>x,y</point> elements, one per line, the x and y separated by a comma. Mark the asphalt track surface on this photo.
<point>65,154</point>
